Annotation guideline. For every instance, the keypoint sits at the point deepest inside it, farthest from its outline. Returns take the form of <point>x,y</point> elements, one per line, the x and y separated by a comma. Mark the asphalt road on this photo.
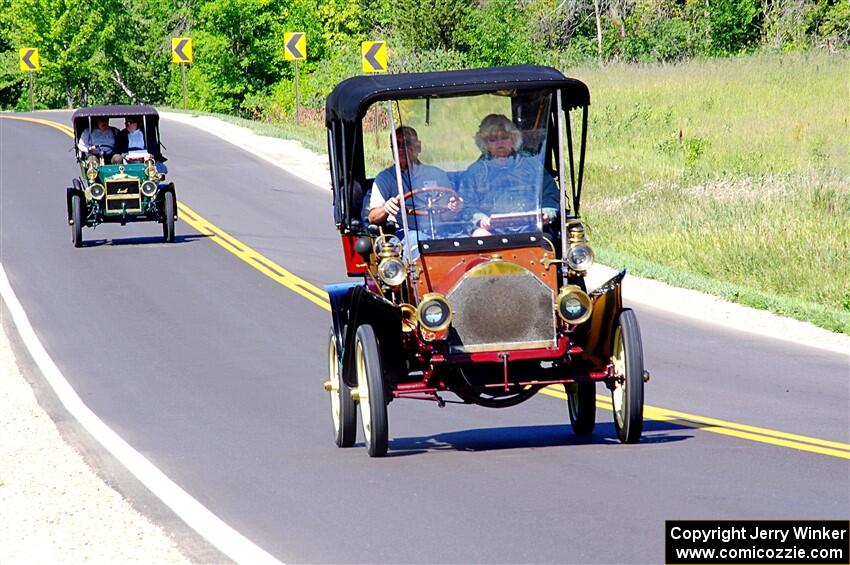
<point>213,371</point>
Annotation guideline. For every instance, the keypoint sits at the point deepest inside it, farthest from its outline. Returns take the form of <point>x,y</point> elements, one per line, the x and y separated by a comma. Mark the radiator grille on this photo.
<point>123,196</point>
<point>501,312</point>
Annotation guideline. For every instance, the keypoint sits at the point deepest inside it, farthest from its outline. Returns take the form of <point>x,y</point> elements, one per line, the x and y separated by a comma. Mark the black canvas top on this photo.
<point>349,100</point>
<point>114,111</point>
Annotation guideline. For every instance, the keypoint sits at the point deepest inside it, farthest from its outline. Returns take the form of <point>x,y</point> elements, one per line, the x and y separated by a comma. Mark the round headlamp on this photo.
<point>580,257</point>
<point>434,312</point>
<point>149,188</point>
<point>97,191</point>
<point>392,271</point>
<point>574,305</point>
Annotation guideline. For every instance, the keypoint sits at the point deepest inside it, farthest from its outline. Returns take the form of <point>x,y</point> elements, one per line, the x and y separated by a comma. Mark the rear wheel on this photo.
<point>168,221</point>
<point>627,395</point>
<point>343,408</point>
<point>370,387</point>
<point>582,408</point>
<point>77,220</point>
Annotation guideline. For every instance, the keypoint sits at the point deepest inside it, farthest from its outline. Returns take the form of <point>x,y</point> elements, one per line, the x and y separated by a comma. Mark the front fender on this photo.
<point>352,305</point>
<point>75,188</point>
<point>607,304</point>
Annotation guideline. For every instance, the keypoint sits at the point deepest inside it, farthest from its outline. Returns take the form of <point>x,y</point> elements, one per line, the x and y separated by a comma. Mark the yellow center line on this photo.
<point>255,259</point>
<point>319,297</point>
<point>733,429</point>
<point>56,125</point>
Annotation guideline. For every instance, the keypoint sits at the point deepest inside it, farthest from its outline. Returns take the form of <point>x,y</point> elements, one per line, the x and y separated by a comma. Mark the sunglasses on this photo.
<point>497,137</point>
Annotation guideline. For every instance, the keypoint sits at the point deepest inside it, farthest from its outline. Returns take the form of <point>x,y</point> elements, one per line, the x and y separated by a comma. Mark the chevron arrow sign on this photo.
<point>374,56</point>
<point>295,45</point>
<point>29,59</point>
<point>181,50</point>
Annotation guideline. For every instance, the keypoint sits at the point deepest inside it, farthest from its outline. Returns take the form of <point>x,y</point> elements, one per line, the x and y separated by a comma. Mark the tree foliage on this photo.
<point>114,51</point>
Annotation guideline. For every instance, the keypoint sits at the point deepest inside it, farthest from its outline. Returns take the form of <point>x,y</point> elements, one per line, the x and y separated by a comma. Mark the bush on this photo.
<point>734,25</point>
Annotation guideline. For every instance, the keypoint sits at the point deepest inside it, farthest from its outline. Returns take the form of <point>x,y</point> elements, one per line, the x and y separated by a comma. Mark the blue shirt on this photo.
<point>493,186</point>
<point>419,176</point>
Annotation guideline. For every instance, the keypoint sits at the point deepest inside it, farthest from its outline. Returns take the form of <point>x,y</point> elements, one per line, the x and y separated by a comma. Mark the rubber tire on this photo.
<point>168,221</point>
<point>343,407</point>
<point>627,398</point>
<point>77,217</point>
<point>370,385</point>
<point>582,408</point>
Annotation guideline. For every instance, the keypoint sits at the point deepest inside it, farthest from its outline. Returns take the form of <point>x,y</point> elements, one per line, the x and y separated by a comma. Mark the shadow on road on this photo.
<point>523,437</point>
<point>146,240</point>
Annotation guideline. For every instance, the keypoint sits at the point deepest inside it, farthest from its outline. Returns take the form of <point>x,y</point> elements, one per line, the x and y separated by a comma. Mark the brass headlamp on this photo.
<point>91,170</point>
<point>579,254</point>
<point>150,169</point>
<point>574,306</point>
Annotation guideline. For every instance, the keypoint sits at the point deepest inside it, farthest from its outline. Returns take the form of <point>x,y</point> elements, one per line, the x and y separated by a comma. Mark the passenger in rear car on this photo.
<point>131,138</point>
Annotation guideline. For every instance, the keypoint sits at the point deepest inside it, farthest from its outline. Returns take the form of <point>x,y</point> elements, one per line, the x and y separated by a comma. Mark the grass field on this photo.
<point>728,176</point>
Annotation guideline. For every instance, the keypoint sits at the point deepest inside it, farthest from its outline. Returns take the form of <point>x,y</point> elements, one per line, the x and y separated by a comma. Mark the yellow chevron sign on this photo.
<point>295,45</point>
<point>374,56</point>
<point>29,59</point>
<point>181,50</point>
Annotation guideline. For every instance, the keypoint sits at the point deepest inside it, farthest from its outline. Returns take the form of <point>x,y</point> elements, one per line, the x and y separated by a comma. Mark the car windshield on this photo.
<point>473,166</point>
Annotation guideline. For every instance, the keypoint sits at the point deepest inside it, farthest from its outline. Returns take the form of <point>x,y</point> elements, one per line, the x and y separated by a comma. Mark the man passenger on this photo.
<point>383,202</point>
<point>99,141</point>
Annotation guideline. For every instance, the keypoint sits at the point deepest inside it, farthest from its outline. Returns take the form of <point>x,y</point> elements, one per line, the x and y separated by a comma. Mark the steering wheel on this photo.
<point>438,198</point>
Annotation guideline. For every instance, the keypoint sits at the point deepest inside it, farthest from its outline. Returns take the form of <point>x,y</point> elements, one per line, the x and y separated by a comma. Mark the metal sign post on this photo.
<point>181,54</point>
<point>183,77</point>
<point>295,49</point>
<point>297,95</point>
<point>374,60</point>
<point>29,62</point>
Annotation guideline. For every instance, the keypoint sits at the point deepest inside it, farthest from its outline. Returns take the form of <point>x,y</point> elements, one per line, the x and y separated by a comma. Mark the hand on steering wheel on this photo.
<point>440,200</point>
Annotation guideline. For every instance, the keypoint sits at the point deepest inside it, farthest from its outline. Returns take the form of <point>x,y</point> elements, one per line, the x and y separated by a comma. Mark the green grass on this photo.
<point>728,176</point>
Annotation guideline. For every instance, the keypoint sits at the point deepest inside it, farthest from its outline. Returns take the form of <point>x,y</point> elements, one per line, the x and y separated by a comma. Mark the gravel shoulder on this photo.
<point>54,508</point>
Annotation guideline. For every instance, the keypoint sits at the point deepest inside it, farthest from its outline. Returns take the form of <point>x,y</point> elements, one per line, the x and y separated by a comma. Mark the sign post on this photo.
<point>295,49</point>
<point>374,55</point>
<point>29,63</point>
<point>181,53</point>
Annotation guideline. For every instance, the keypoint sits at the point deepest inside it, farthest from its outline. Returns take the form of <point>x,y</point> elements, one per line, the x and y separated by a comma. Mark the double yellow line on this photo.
<point>742,431</point>
<point>320,298</point>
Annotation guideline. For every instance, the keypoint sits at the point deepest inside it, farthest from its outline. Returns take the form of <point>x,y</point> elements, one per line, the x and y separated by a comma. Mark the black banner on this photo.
<point>762,542</point>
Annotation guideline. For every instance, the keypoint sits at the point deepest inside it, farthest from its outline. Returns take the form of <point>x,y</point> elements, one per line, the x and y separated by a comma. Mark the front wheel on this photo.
<point>343,408</point>
<point>77,219</point>
<point>370,388</point>
<point>168,221</point>
<point>627,394</point>
<point>582,408</point>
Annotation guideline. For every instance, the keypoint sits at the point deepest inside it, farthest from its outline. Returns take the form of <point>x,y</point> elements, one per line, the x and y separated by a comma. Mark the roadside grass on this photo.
<point>728,176</point>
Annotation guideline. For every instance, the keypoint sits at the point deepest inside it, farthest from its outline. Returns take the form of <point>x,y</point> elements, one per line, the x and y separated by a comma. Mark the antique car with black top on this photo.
<point>469,252</point>
<point>119,184</point>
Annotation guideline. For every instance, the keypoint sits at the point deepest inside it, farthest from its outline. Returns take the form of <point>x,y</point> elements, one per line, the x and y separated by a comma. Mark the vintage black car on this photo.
<point>128,188</point>
<point>488,301</point>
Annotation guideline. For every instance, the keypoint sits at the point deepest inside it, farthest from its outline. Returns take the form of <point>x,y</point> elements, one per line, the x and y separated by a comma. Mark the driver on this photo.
<point>503,180</point>
<point>100,140</point>
<point>382,200</point>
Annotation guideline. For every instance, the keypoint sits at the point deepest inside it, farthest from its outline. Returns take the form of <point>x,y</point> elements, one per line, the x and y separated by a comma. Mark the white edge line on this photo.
<point>198,517</point>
